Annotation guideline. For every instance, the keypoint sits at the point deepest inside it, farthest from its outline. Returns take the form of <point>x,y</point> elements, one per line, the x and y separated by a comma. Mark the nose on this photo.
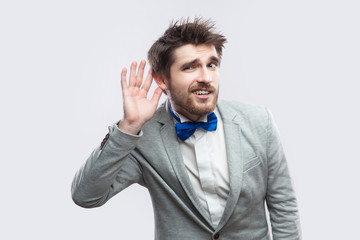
<point>204,75</point>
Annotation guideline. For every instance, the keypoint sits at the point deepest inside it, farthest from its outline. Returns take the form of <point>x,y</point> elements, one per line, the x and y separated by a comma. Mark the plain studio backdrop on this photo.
<point>60,64</point>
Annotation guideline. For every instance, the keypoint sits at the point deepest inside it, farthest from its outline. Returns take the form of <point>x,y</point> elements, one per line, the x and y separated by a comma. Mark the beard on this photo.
<point>185,102</point>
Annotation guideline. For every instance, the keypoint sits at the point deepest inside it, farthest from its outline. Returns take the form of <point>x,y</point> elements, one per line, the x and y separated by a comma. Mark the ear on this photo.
<point>161,82</point>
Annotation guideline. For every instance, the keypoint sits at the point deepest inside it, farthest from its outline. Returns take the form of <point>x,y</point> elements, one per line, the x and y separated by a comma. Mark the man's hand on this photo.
<point>137,108</point>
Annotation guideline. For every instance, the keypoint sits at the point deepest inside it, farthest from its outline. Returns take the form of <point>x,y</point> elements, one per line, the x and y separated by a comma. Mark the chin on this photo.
<point>202,109</point>
<point>188,104</point>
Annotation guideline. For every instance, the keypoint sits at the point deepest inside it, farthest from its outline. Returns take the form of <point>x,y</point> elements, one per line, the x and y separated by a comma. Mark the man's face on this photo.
<point>194,85</point>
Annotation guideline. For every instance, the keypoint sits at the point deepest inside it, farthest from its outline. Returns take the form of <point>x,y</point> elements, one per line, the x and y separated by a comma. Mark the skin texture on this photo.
<point>137,108</point>
<point>192,89</point>
<point>196,68</point>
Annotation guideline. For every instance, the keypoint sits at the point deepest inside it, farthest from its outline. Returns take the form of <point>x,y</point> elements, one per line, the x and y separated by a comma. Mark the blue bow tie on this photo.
<point>186,129</point>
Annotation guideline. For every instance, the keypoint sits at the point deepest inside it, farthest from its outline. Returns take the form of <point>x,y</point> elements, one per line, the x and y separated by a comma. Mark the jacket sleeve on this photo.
<point>280,196</point>
<point>109,169</point>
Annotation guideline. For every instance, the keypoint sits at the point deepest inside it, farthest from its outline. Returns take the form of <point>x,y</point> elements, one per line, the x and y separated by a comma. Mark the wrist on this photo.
<point>129,127</point>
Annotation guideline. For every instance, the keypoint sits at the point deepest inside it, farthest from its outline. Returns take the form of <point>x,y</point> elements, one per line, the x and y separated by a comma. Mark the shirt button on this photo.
<point>216,236</point>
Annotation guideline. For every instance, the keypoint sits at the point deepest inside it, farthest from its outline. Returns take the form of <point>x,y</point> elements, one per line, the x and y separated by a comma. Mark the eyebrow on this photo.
<point>197,60</point>
<point>214,59</point>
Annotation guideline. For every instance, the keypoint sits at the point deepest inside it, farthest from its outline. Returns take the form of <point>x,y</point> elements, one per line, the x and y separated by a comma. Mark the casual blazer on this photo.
<point>258,175</point>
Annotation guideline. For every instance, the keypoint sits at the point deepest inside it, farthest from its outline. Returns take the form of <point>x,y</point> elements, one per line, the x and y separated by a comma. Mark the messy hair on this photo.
<point>180,33</point>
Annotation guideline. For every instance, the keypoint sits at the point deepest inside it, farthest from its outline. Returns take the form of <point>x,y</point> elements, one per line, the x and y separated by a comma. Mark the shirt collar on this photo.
<point>185,119</point>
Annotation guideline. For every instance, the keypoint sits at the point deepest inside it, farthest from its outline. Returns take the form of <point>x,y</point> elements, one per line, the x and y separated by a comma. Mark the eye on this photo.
<point>188,68</point>
<point>212,65</point>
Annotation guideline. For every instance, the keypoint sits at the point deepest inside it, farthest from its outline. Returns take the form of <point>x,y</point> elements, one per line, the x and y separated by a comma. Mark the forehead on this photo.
<point>190,52</point>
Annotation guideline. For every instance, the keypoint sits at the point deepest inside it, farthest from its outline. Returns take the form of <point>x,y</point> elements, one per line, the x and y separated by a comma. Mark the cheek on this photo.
<point>183,82</point>
<point>215,77</point>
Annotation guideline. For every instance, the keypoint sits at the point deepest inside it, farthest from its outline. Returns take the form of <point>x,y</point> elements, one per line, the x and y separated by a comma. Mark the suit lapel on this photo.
<point>234,157</point>
<point>169,138</point>
<point>235,160</point>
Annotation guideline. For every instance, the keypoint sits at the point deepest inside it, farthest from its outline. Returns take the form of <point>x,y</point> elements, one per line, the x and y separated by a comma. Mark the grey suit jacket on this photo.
<point>257,170</point>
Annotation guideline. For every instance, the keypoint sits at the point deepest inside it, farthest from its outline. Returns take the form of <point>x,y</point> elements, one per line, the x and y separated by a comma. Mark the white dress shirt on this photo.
<point>204,155</point>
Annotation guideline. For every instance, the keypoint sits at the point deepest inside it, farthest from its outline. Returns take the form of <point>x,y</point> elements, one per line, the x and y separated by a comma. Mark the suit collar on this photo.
<point>232,129</point>
<point>164,114</point>
<point>170,142</point>
<point>231,122</point>
<point>227,112</point>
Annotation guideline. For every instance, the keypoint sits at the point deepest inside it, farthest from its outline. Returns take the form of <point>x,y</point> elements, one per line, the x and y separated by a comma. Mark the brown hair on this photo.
<point>180,33</point>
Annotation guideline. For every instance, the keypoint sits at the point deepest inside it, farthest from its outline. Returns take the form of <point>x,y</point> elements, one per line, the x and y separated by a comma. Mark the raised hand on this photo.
<point>137,108</point>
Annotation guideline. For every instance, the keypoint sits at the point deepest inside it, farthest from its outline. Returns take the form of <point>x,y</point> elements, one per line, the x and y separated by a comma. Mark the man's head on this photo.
<point>180,33</point>
<point>185,63</point>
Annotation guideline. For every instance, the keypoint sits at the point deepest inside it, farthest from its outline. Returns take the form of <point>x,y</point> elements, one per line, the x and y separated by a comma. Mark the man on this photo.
<point>209,166</point>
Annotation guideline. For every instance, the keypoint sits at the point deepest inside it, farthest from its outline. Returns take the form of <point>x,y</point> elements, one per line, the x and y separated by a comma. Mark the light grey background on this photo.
<point>60,67</point>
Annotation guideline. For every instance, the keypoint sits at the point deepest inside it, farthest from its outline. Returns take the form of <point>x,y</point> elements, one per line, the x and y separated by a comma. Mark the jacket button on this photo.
<point>216,236</point>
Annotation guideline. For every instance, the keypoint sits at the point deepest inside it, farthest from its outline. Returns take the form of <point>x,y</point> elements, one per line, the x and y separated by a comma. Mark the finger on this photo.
<point>140,73</point>
<point>156,97</point>
<point>132,77</point>
<point>123,79</point>
<point>148,81</point>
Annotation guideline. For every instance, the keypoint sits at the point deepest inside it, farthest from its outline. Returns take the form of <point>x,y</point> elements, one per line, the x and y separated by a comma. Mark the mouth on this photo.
<point>202,92</point>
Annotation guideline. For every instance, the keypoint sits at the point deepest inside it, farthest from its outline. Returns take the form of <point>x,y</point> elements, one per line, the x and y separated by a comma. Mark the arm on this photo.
<point>280,198</point>
<point>111,167</point>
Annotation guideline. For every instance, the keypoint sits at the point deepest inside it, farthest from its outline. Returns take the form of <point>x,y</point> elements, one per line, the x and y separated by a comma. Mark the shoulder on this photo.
<point>161,117</point>
<point>244,112</point>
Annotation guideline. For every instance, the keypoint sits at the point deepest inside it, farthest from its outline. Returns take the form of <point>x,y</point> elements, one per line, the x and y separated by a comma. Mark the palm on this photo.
<point>136,104</point>
<point>137,108</point>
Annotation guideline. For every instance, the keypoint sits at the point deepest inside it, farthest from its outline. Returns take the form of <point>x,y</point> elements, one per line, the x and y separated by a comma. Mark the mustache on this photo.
<point>204,86</point>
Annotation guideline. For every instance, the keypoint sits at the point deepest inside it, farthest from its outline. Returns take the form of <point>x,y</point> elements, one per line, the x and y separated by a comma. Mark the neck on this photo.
<point>190,116</point>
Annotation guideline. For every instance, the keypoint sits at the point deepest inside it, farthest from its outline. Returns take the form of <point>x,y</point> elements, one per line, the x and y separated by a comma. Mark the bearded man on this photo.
<point>210,166</point>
